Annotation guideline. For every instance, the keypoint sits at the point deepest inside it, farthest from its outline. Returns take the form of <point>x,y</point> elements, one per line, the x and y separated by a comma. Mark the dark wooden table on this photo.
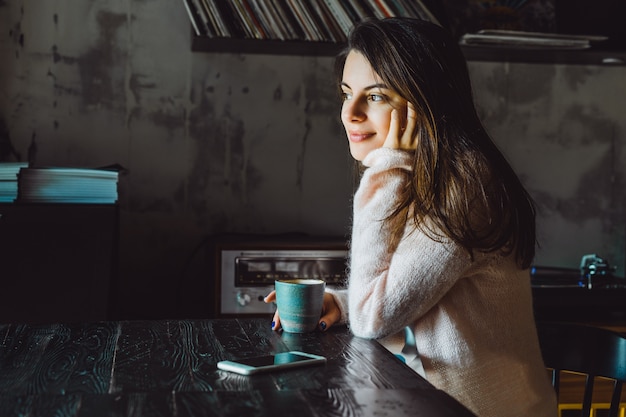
<point>168,368</point>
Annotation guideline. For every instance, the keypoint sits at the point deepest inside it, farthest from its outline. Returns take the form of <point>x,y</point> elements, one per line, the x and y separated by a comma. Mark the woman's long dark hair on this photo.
<point>462,186</point>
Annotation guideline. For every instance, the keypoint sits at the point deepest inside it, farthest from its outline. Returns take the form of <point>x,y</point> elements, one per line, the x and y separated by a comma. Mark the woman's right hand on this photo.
<point>402,137</point>
<point>330,315</point>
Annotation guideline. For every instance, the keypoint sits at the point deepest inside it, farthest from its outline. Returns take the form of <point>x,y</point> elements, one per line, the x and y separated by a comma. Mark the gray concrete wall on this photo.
<point>563,129</point>
<point>253,143</point>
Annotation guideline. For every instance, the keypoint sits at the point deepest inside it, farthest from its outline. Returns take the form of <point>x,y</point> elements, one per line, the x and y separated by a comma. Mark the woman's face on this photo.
<point>367,105</point>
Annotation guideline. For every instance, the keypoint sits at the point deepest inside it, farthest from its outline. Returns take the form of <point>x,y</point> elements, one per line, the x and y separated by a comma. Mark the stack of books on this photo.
<point>8,180</point>
<point>67,185</point>
<point>308,20</point>
<point>536,40</point>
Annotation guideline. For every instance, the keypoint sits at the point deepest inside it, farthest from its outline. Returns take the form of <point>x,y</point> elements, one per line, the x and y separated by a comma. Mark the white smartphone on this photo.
<point>278,361</point>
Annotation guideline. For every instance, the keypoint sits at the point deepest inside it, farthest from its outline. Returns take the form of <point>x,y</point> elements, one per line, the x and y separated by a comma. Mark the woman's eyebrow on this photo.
<point>369,87</point>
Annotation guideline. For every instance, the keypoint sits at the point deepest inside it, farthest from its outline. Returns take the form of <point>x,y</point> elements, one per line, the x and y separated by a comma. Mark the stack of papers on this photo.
<point>511,38</point>
<point>8,180</point>
<point>67,185</point>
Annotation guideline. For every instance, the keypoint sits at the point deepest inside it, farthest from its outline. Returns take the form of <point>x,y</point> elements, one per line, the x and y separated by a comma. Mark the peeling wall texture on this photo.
<point>218,142</point>
<point>563,129</point>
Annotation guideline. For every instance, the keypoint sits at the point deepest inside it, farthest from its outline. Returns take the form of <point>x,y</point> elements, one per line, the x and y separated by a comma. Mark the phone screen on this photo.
<point>248,366</point>
<point>279,358</point>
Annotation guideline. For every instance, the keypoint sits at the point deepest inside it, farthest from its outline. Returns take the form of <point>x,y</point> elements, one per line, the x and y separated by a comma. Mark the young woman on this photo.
<point>443,231</point>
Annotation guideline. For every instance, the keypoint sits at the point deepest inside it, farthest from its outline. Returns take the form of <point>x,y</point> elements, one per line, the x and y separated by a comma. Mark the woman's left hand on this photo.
<point>402,137</point>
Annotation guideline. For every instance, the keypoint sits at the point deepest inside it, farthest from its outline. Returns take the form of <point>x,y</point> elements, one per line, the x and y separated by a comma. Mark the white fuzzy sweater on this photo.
<point>472,320</point>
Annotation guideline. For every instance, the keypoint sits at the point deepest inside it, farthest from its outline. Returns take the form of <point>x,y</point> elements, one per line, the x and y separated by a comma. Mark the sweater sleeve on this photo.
<point>393,280</point>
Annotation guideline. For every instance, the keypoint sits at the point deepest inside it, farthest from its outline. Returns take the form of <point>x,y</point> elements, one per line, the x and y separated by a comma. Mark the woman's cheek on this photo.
<point>384,124</point>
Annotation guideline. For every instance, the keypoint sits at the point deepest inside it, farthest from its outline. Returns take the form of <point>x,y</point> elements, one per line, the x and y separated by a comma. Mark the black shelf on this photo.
<point>603,57</point>
<point>239,27</point>
<point>580,305</point>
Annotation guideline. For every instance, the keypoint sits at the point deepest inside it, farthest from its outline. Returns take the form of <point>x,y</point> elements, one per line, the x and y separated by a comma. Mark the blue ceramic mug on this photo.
<point>299,303</point>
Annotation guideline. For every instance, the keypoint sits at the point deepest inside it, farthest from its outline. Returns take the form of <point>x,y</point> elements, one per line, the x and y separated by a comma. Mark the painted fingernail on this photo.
<point>273,324</point>
<point>323,325</point>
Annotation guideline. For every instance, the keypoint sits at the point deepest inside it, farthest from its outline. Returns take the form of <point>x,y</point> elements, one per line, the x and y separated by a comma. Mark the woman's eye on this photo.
<point>376,97</point>
<point>346,96</point>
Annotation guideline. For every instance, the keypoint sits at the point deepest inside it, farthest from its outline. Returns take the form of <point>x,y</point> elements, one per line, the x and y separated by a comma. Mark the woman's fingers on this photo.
<point>330,312</point>
<point>408,140</point>
<point>402,130</point>
<point>391,141</point>
<point>276,321</point>
<point>270,298</point>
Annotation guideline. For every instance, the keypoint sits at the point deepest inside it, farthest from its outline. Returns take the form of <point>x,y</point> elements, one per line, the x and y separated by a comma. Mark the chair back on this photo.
<point>593,351</point>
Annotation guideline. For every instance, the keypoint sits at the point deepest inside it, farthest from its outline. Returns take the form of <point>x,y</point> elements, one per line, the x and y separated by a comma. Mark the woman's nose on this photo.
<point>352,111</point>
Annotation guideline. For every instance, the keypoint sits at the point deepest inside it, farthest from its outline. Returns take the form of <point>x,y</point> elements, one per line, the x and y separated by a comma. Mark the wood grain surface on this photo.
<point>168,368</point>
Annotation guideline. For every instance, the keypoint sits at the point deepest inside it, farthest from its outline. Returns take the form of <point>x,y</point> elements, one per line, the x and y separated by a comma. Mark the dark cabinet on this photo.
<point>58,262</point>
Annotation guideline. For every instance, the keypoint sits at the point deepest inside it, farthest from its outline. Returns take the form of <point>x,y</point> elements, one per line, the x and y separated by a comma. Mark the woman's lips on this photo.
<point>359,136</point>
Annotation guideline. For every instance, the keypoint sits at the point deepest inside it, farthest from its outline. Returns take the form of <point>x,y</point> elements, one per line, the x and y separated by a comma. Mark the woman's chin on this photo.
<point>359,152</point>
